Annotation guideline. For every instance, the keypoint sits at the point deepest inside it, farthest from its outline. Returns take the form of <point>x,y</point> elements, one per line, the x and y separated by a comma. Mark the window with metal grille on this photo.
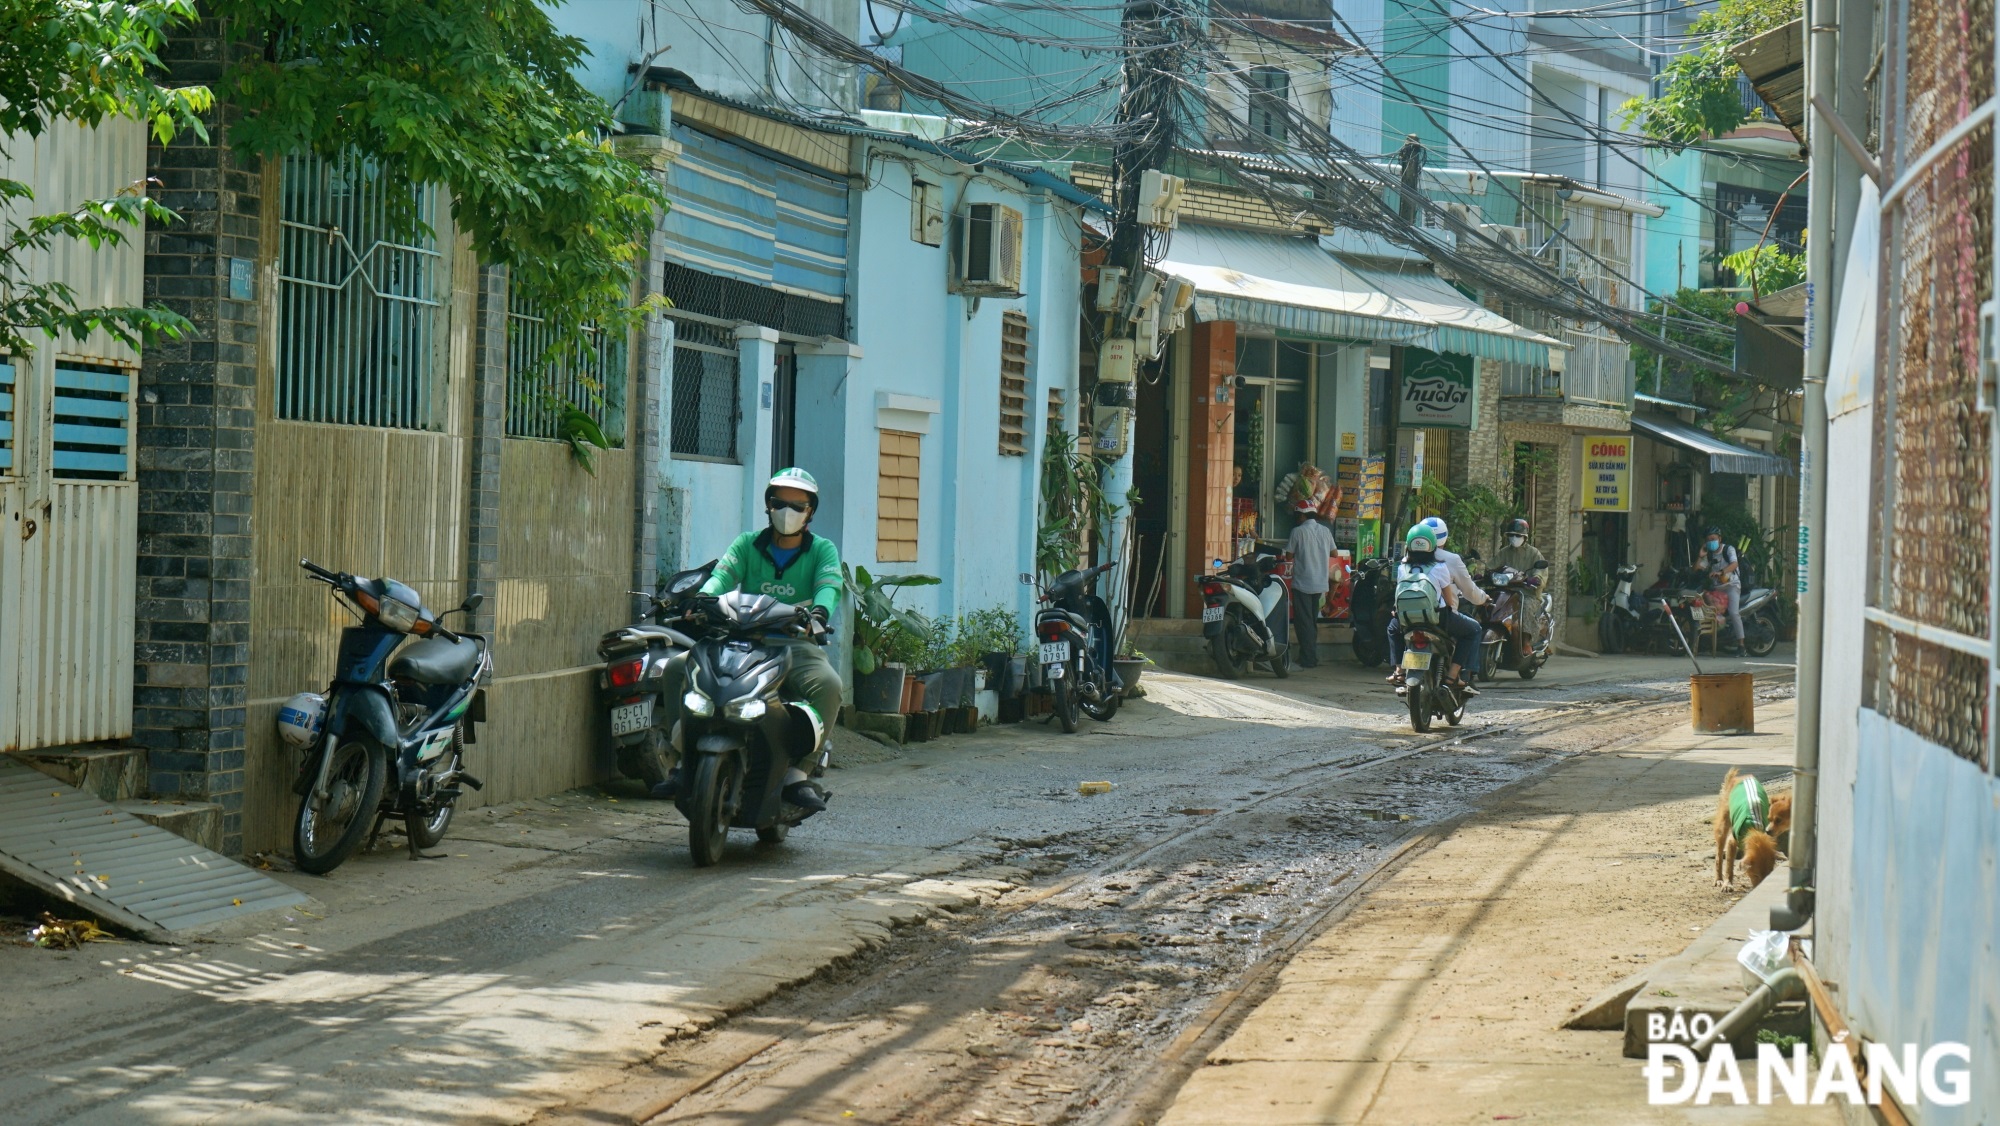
<point>705,407</point>
<point>728,299</point>
<point>93,422</point>
<point>6,417</point>
<point>900,470</point>
<point>1014,383</point>
<point>588,375</point>
<point>361,306</point>
<point>1270,89</point>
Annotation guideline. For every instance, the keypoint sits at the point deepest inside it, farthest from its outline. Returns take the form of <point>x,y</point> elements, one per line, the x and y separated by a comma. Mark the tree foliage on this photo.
<point>1698,96</point>
<point>1766,268</point>
<point>85,61</point>
<point>478,96</point>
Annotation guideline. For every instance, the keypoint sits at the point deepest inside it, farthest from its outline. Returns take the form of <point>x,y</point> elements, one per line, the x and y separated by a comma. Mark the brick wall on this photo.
<point>196,418</point>
<point>1213,452</point>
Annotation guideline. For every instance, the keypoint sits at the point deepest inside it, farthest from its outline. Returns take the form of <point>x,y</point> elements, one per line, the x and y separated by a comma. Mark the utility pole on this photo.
<point>1152,34</point>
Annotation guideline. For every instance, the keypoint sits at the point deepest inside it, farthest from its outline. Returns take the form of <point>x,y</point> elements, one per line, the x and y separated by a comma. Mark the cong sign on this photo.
<point>1607,473</point>
<point>1438,392</point>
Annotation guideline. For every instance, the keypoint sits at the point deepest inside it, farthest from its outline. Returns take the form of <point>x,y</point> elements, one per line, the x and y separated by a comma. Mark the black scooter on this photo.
<point>641,682</point>
<point>1075,635</point>
<point>411,717</point>
<point>1369,609</point>
<point>738,736</point>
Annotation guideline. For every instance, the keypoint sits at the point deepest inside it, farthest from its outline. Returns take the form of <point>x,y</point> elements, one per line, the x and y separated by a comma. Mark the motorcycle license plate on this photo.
<point>1055,652</point>
<point>627,718</point>
<point>1211,614</point>
<point>1415,660</point>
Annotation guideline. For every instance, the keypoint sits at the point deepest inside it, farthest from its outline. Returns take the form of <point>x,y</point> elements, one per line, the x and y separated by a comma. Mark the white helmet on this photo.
<point>1436,524</point>
<point>301,718</point>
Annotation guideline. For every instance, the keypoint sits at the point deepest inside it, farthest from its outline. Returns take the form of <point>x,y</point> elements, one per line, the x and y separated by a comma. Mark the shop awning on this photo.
<point>1292,285</point>
<point>1723,457</point>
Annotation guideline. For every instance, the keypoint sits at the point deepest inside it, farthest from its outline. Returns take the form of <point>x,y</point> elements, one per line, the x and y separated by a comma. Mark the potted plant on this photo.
<point>1128,664</point>
<point>886,637</point>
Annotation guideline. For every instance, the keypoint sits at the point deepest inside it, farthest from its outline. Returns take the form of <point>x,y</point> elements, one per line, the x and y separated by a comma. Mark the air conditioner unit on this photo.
<point>989,251</point>
<point>1160,199</point>
<point>1514,238</point>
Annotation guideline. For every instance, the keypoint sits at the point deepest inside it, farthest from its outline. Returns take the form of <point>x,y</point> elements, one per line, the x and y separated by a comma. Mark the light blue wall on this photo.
<point>725,49</point>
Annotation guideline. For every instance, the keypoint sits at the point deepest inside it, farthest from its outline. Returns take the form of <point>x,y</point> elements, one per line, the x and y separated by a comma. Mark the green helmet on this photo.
<point>793,478</point>
<point>1421,537</point>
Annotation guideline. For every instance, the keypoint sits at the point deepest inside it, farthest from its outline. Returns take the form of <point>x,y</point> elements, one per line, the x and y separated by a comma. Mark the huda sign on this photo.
<point>1437,395</point>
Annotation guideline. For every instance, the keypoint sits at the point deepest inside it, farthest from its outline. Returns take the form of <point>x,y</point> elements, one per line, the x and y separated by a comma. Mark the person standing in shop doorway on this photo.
<point>1310,549</point>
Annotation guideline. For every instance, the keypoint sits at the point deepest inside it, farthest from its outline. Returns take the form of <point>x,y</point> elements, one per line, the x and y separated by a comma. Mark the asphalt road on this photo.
<point>565,950</point>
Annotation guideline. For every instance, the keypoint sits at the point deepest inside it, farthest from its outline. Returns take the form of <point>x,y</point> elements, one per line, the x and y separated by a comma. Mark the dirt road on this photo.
<point>965,935</point>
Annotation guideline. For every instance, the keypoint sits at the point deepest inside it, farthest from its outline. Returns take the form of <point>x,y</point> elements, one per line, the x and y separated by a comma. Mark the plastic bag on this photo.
<point>1764,955</point>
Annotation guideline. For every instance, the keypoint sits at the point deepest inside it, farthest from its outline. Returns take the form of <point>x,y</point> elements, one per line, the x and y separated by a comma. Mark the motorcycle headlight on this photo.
<point>398,615</point>
<point>698,704</point>
<point>747,711</point>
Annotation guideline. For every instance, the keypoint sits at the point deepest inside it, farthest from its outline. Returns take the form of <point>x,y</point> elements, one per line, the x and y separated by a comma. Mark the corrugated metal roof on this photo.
<point>1723,456</point>
<point>117,867</point>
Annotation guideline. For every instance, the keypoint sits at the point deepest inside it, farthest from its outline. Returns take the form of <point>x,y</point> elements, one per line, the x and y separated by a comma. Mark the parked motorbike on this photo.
<point>1506,645</point>
<point>1759,611</point>
<point>1368,611</point>
<point>738,737</point>
<point>1244,608</point>
<point>1618,613</point>
<point>1427,656</point>
<point>388,738</point>
<point>638,684</point>
<point>1641,621</point>
<point>1075,634</point>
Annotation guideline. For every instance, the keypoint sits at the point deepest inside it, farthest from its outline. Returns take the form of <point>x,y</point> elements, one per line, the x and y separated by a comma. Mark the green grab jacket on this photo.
<point>812,576</point>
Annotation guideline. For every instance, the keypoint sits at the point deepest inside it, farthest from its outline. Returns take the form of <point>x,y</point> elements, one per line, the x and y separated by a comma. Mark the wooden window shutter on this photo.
<point>898,472</point>
<point>1014,383</point>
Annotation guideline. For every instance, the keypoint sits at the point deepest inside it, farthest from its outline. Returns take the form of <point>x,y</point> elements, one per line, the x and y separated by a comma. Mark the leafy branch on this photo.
<point>1699,97</point>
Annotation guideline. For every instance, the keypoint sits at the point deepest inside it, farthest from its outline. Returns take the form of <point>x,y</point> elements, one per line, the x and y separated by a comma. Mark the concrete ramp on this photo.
<point>118,868</point>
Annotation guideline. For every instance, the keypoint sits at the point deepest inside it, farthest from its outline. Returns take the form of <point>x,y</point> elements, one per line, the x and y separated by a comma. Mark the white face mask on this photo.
<point>1515,541</point>
<point>787,521</point>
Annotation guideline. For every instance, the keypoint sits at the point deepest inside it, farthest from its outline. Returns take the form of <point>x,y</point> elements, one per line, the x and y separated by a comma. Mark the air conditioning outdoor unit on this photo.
<point>989,251</point>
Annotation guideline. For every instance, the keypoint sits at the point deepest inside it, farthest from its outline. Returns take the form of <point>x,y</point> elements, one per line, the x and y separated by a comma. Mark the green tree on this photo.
<point>1698,96</point>
<point>87,62</point>
<point>1704,321</point>
<point>1767,268</point>
<point>476,95</point>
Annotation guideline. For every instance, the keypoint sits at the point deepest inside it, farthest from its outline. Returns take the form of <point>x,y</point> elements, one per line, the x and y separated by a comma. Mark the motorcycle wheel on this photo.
<point>354,792</point>
<point>774,834</point>
<point>1760,635</point>
<point>649,760</point>
<point>711,807</point>
<point>1528,671</point>
<point>1367,656</point>
<point>1226,664</point>
<point>1069,708</point>
<point>1420,705</point>
<point>1454,710</point>
<point>1611,633</point>
<point>1106,704</point>
<point>427,831</point>
<point>1490,660</point>
<point>1282,667</point>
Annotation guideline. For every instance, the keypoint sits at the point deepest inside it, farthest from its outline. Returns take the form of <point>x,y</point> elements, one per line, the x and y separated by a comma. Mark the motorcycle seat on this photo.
<point>433,660</point>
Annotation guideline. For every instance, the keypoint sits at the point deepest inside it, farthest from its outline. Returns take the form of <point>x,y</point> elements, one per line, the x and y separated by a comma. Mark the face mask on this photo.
<point>1713,544</point>
<point>1515,541</point>
<point>787,521</point>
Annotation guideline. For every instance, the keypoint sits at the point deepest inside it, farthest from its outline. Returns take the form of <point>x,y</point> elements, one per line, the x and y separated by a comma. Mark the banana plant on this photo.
<point>880,624</point>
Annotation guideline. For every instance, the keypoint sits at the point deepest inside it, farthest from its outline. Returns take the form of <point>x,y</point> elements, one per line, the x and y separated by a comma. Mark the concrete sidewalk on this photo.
<point>1440,997</point>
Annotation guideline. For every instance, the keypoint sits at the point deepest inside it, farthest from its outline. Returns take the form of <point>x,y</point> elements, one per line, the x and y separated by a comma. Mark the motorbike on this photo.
<point>1427,656</point>
<point>738,737</point>
<point>1368,611</point>
<point>1618,613</point>
<point>1759,611</point>
<point>1074,630</point>
<point>1506,647</point>
<point>1641,621</point>
<point>637,686</point>
<point>388,737</point>
<point>1244,609</point>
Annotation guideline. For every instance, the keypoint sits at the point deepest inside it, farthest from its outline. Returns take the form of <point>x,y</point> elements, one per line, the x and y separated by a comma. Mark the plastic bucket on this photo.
<point>1724,703</point>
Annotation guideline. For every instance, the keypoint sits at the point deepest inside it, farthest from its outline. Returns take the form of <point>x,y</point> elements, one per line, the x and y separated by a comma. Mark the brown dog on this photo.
<point>1759,821</point>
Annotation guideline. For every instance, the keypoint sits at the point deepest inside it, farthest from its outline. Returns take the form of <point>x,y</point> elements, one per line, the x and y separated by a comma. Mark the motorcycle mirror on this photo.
<point>1027,579</point>
<point>472,602</point>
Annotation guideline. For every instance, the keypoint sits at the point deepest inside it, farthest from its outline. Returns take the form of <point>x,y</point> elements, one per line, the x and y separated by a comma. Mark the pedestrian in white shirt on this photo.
<point>1311,550</point>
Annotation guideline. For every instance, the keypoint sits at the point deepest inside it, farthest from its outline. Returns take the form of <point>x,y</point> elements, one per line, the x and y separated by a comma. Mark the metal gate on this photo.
<point>68,492</point>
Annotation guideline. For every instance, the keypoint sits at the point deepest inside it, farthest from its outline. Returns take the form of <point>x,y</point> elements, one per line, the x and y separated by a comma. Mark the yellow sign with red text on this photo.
<point>1607,473</point>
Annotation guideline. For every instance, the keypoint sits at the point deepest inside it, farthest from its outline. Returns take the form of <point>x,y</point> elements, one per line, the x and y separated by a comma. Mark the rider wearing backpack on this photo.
<point>1722,562</point>
<point>1425,593</point>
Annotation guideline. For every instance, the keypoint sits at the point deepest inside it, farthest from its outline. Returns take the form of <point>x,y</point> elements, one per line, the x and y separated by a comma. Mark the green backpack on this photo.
<point>1417,597</point>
